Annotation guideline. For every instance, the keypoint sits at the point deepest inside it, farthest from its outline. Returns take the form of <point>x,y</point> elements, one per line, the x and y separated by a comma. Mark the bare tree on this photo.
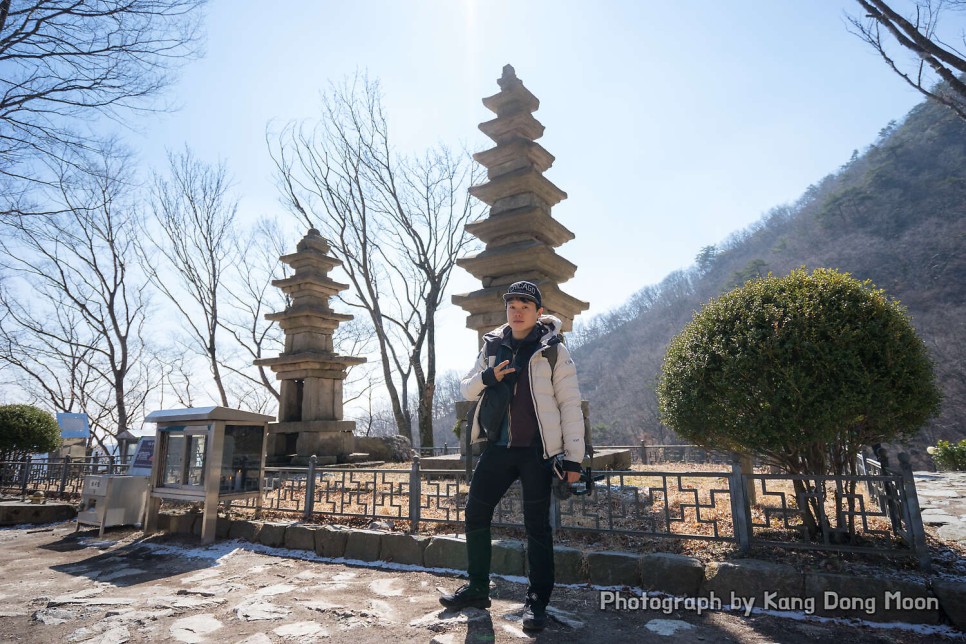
<point>174,369</point>
<point>196,217</point>
<point>73,304</point>
<point>444,406</point>
<point>935,66</point>
<point>249,296</point>
<point>397,224</point>
<point>67,61</point>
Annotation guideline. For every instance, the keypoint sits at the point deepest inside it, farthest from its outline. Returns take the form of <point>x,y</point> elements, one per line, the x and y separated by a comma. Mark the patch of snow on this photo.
<point>255,611</point>
<point>667,627</point>
<point>439,621</point>
<point>201,576</point>
<point>53,616</point>
<point>299,630</point>
<point>117,574</point>
<point>514,631</point>
<point>257,638</point>
<point>321,605</point>
<point>275,589</point>
<point>565,618</point>
<point>386,587</point>
<point>194,629</point>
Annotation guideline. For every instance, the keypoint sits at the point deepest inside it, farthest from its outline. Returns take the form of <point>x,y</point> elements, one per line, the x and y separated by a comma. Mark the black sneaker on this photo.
<point>467,597</point>
<point>534,615</point>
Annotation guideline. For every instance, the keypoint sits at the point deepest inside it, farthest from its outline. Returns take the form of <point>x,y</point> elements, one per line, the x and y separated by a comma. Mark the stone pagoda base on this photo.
<point>331,441</point>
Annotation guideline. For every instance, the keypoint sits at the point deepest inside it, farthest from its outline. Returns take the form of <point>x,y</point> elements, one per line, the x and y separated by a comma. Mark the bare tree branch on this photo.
<point>397,224</point>
<point>934,68</point>
<point>196,217</point>
<point>66,61</point>
<point>73,309</point>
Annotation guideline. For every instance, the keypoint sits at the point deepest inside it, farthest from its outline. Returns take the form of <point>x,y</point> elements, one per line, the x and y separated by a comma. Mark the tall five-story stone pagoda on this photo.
<point>311,373</point>
<point>520,234</point>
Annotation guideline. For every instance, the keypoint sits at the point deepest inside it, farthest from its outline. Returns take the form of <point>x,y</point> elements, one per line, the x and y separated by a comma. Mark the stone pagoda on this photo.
<point>311,373</point>
<point>520,234</point>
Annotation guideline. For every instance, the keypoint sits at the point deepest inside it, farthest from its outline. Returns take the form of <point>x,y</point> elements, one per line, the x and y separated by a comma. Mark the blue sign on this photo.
<point>74,425</point>
<point>143,457</point>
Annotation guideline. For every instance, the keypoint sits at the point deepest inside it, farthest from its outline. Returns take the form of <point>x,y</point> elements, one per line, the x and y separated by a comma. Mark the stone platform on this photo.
<point>942,499</point>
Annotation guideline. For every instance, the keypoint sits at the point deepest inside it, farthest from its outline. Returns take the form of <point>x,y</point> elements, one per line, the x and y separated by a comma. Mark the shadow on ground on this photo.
<point>129,565</point>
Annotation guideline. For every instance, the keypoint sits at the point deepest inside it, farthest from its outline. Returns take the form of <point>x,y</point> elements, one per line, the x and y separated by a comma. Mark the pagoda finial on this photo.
<point>509,78</point>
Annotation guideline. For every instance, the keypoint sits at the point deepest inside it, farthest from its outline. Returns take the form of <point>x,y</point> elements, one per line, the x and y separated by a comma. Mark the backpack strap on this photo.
<point>492,347</point>
<point>551,355</point>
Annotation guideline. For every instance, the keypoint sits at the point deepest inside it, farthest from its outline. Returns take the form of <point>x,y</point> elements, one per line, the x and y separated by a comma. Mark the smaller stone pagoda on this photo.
<point>311,373</point>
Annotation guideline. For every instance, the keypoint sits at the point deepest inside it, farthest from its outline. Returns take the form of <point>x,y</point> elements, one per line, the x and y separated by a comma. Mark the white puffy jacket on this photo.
<point>556,397</point>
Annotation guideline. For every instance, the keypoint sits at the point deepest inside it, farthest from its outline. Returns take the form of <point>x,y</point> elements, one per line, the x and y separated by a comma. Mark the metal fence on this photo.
<point>874,511</point>
<point>62,476</point>
<point>641,453</point>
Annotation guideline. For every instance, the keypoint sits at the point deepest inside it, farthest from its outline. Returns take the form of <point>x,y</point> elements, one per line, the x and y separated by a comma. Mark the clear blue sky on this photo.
<point>673,123</point>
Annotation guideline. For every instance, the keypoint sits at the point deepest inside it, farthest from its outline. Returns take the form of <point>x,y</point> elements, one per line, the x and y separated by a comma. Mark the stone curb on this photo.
<point>769,585</point>
<point>871,599</point>
<point>765,581</point>
<point>672,574</point>
<point>18,512</point>
<point>446,552</point>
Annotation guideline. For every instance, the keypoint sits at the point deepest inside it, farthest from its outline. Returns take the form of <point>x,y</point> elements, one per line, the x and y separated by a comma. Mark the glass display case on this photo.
<point>207,454</point>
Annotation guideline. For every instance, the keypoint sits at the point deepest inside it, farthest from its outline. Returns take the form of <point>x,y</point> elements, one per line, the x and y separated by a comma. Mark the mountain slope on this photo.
<point>895,215</point>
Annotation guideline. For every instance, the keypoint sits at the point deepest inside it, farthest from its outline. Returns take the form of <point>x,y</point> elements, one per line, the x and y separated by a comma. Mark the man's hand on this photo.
<point>501,370</point>
<point>572,477</point>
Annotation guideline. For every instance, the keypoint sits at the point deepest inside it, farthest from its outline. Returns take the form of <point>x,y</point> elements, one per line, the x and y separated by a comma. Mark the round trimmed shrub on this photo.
<point>802,370</point>
<point>25,429</point>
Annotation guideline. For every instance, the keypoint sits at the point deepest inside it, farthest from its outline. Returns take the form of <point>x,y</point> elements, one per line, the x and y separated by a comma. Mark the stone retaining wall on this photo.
<point>20,512</point>
<point>743,582</point>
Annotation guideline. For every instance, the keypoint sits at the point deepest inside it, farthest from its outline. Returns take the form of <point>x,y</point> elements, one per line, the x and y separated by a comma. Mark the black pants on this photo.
<point>498,468</point>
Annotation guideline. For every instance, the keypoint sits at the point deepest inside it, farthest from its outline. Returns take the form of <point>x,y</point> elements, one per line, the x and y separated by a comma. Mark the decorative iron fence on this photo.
<point>874,511</point>
<point>641,453</point>
<point>63,476</point>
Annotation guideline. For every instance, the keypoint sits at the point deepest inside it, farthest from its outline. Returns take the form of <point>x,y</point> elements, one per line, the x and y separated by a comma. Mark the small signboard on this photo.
<point>143,457</point>
<point>74,425</point>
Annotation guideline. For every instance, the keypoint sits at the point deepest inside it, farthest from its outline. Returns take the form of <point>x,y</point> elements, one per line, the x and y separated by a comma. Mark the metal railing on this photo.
<point>876,510</point>
<point>641,453</point>
<point>63,476</point>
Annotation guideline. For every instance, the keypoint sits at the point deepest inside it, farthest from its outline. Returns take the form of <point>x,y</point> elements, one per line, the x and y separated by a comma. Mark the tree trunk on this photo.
<point>805,508</point>
<point>426,414</point>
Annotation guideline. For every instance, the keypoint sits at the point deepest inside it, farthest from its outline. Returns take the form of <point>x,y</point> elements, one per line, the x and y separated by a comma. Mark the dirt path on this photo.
<point>56,586</point>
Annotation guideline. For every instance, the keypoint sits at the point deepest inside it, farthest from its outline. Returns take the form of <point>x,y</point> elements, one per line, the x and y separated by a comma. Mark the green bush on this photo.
<point>949,456</point>
<point>801,370</point>
<point>25,429</point>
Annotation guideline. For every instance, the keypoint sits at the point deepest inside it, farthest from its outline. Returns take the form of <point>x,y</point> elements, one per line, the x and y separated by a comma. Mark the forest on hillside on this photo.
<point>894,214</point>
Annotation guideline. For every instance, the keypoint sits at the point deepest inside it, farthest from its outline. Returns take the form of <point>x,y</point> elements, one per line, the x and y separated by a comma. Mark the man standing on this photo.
<point>530,417</point>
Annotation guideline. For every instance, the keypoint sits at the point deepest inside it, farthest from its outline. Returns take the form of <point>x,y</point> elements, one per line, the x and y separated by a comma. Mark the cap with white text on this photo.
<point>525,291</point>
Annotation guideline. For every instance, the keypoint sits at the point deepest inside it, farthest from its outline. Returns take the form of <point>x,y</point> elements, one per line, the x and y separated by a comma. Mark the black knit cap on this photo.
<point>524,291</point>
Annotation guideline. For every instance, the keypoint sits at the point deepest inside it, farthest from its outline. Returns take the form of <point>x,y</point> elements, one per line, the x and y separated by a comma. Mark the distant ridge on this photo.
<point>895,214</point>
